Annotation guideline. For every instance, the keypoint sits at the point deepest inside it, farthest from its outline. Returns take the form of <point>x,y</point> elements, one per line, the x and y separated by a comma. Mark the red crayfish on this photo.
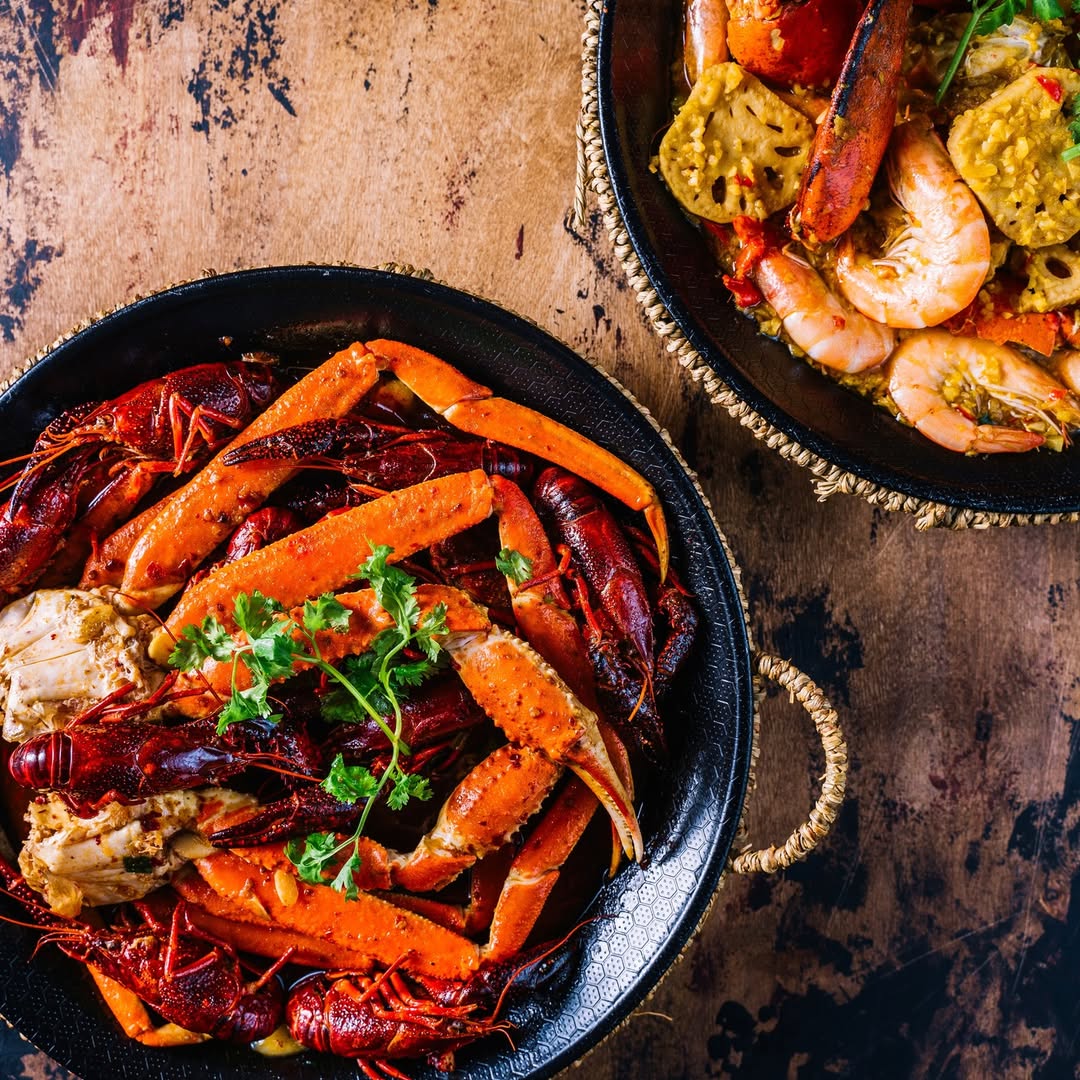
<point>160,958</point>
<point>99,459</point>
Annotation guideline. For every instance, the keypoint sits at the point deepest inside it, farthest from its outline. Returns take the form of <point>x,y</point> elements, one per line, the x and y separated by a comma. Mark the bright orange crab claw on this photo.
<point>473,408</point>
<point>534,707</point>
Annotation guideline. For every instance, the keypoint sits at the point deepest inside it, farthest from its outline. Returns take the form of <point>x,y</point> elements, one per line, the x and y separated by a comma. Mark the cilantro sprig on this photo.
<point>990,15</point>
<point>270,644</point>
<point>514,565</point>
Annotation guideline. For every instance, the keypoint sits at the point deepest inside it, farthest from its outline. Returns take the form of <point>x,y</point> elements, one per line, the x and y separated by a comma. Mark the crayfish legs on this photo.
<point>193,980</point>
<point>100,459</point>
<point>388,1015</point>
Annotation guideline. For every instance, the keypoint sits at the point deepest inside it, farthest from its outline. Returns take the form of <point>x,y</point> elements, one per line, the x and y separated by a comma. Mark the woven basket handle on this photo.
<point>808,835</point>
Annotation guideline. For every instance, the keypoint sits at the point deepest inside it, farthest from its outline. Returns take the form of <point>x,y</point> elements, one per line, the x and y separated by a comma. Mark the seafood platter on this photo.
<point>864,219</point>
<point>378,691</point>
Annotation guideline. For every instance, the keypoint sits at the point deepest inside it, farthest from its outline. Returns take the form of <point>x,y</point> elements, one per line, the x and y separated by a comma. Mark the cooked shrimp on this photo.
<point>932,371</point>
<point>815,318</point>
<point>1067,367</point>
<point>938,262</point>
<point>704,36</point>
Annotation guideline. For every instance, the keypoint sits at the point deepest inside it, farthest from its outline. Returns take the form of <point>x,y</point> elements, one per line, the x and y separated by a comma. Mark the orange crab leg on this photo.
<point>535,870</point>
<point>851,141</point>
<point>247,932</point>
<point>106,563</point>
<point>195,519</point>
<point>325,555</point>
<point>366,925</point>
<point>473,408</point>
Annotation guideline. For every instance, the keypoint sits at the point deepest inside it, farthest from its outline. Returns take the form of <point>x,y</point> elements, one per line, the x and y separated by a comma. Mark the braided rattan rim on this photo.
<point>592,172</point>
<point>807,835</point>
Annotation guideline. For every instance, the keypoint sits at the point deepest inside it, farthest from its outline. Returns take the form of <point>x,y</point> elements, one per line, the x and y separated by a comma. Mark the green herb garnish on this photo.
<point>990,15</point>
<point>514,565</point>
<point>270,643</point>
<point>138,864</point>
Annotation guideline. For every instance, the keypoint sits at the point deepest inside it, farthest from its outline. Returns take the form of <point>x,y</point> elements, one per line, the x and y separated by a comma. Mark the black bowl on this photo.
<point>689,819</point>
<point>638,41</point>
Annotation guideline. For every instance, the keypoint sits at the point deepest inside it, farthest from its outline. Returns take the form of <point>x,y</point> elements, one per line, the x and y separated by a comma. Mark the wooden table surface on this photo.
<point>934,934</point>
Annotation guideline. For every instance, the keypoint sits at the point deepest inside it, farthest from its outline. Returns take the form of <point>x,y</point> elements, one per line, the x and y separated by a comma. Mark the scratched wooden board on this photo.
<point>935,934</point>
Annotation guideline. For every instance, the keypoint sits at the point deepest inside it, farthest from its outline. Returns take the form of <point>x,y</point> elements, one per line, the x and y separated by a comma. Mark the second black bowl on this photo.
<point>638,39</point>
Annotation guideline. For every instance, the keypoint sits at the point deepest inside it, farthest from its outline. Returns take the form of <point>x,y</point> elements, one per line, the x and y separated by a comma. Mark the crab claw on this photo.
<point>534,707</point>
<point>473,408</point>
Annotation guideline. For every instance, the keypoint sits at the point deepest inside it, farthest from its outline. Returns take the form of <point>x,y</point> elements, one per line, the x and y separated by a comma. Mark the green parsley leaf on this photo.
<point>424,634</point>
<point>412,673</point>
<point>346,878</point>
<point>394,588</point>
<point>272,652</point>
<point>254,613</point>
<point>338,705</point>
<point>1044,10</point>
<point>248,704</point>
<point>350,783</point>
<point>514,565</point>
<point>312,855</point>
<point>197,643</point>
<point>408,786</point>
<point>325,613</point>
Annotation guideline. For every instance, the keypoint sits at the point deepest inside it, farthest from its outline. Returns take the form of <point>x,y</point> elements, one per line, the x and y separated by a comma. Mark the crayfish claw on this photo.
<point>301,812</point>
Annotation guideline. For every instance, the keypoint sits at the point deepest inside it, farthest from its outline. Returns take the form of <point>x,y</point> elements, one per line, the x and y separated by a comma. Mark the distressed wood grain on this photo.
<point>935,934</point>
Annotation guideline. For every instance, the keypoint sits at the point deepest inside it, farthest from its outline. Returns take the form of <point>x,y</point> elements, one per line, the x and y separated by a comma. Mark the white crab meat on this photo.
<point>122,852</point>
<point>62,650</point>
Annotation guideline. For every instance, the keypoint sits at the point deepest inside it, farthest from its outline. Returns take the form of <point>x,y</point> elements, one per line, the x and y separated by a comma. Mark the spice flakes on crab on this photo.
<point>122,852</point>
<point>62,650</point>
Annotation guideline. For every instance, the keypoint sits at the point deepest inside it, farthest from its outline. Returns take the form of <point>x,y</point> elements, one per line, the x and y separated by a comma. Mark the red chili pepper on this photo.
<point>743,181</point>
<point>746,293</point>
<point>755,244</point>
<point>1051,86</point>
